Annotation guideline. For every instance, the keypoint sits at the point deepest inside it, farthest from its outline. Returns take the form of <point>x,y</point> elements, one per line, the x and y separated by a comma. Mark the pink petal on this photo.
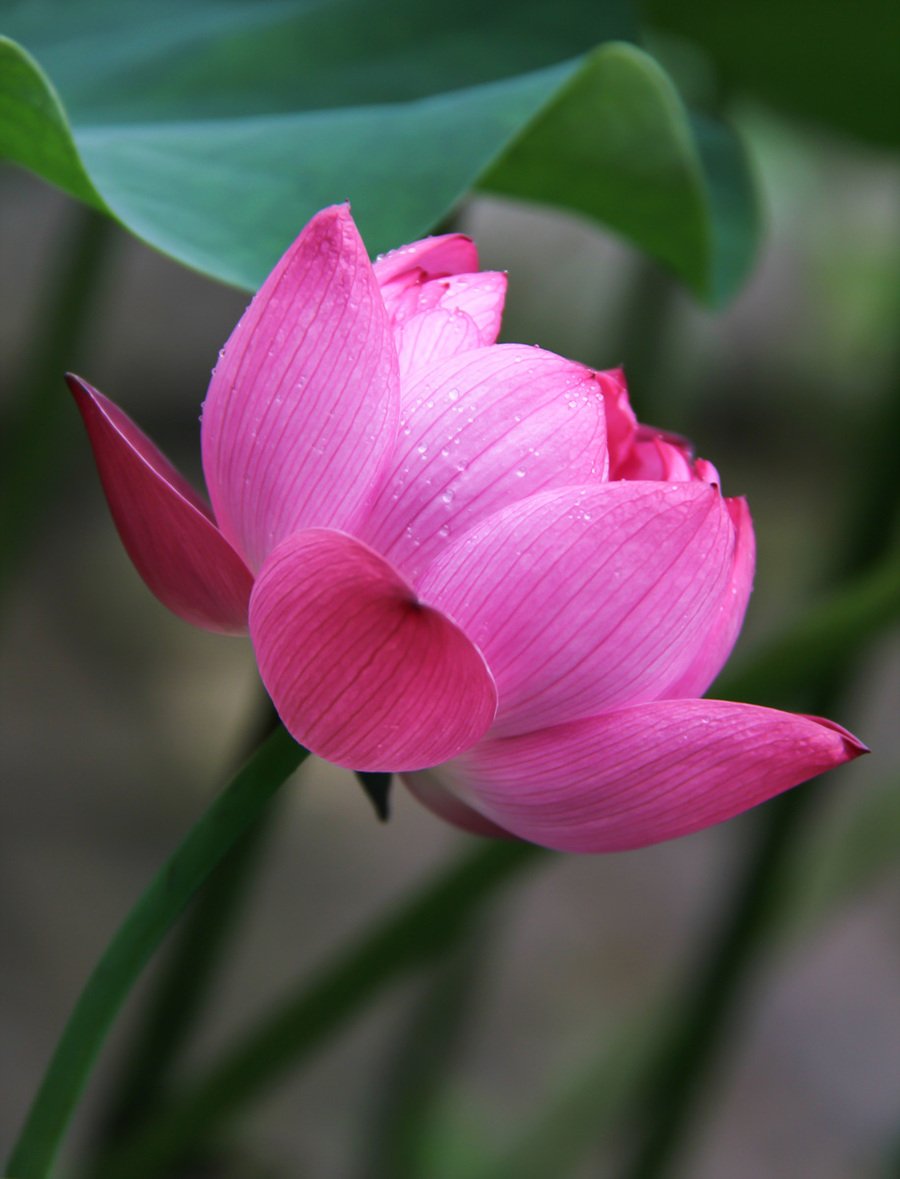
<point>361,672</point>
<point>446,316</point>
<point>645,773</point>
<point>438,302</point>
<point>432,257</point>
<point>703,469</point>
<point>302,409</point>
<point>588,597</point>
<point>653,457</point>
<point>621,423</point>
<point>483,430</point>
<point>430,336</point>
<point>165,526</point>
<point>428,789</point>
<point>732,608</point>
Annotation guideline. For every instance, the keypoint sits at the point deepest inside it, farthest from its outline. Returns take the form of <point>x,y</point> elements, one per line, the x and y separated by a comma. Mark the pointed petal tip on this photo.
<point>166,527</point>
<point>853,747</point>
<point>303,409</point>
<point>645,773</point>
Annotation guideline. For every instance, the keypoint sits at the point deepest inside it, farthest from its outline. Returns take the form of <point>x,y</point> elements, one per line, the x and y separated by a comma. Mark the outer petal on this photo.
<point>431,257</point>
<point>361,672</point>
<point>302,410</point>
<point>587,598</point>
<point>732,608</point>
<point>427,787</point>
<point>165,526</point>
<point>481,431</point>
<point>642,774</point>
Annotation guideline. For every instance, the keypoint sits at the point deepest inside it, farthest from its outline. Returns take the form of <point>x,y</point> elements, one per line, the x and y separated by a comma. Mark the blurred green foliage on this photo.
<point>825,60</point>
<point>214,129</point>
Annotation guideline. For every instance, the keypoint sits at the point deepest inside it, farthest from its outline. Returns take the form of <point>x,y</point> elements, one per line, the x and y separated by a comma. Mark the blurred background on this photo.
<point>119,722</point>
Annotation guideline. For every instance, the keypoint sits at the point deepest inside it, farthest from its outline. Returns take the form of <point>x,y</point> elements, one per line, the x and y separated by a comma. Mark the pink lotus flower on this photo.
<point>461,560</point>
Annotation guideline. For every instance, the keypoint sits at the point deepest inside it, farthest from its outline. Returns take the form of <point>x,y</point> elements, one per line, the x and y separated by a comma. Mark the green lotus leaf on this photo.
<point>213,129</point>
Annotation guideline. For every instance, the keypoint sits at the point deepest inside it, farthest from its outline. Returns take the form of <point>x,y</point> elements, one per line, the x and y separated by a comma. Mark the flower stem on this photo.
<point>36,427</point>
<point>178,995</point>
<point>133,944</point>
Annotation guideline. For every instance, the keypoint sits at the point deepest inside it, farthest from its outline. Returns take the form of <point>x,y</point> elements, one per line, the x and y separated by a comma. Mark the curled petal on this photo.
<point>446,316</point>
<point>432,257</point>
<point>482,430</point>
<point>654,457</point>
<point>426,786</point>
<point>704,469</point>
<point>302,409</point>
<point>165,526</point>
<point>586,598</point>
<point>430,336</point>
<point>362,672</point>
<point>438,301</point>
<point>732,608</point>
<point>645,773</point>
<point>621,423</point>
<point>480,296</point>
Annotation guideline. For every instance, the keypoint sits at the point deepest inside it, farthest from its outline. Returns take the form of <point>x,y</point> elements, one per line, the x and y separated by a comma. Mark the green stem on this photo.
<point>681,1071</point>
<point>37,425</point>
<point>133,944</point>
<point>178,995</point>
<point>413,935</point>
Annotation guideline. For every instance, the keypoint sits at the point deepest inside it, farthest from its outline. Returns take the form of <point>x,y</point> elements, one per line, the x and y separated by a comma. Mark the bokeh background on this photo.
<point>119,722</point>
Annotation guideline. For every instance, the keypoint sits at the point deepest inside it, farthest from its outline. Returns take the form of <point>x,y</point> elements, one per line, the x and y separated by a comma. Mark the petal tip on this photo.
<point>852,746</point>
